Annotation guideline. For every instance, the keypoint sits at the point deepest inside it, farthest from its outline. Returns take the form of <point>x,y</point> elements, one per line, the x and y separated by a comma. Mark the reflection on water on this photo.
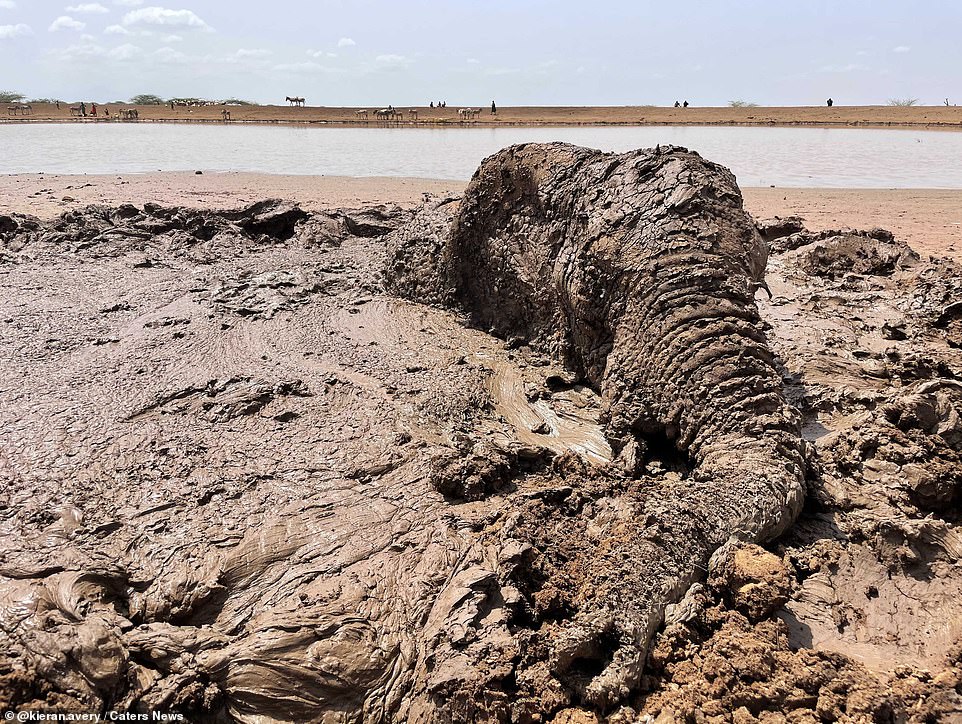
<point>869,158</point>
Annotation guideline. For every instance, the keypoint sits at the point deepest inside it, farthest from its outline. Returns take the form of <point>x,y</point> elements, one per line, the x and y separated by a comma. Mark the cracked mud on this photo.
<point>548,452</point>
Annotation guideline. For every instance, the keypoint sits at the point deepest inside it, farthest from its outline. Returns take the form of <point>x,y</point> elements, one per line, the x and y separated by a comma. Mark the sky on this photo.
<point>469,52</point>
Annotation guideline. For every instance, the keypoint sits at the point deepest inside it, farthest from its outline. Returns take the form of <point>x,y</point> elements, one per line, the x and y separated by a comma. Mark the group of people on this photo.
<point>93,110</point>
<point>681,105</point>
<point>494,107</point>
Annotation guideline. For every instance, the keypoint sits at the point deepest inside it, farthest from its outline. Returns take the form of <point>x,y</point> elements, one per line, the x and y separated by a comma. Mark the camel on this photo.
<point>295,101</point>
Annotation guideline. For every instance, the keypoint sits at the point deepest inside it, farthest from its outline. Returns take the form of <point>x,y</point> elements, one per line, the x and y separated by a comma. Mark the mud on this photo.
<point>244,481</point>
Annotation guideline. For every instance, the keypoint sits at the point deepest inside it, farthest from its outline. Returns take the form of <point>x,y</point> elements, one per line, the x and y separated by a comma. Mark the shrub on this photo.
<point>147,99</point>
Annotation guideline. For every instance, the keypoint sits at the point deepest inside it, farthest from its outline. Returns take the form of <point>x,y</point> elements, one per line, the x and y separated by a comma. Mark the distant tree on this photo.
<point>903,102</point>
<point>44,100</point>
<point>238,102</point>
<point>147,99</point>
<point>11,97</point>
<point>742,104</point>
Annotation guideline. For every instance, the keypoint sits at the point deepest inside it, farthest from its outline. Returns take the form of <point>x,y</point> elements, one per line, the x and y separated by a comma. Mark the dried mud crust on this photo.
<point>307,500</point>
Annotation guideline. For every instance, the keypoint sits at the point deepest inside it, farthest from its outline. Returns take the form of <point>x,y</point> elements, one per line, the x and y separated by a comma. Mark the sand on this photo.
<point>928,220</point>
<point>878,116</point>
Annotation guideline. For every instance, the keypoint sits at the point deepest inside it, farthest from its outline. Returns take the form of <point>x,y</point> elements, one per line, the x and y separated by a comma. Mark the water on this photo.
<point>839,158</point>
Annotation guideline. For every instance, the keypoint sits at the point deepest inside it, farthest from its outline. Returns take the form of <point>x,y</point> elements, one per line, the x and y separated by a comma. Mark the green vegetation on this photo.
<point>903,102</point>
<point>742,104</point>
<point>238,102</point>
<point>44,100</point>
<point>147,99</point>
<point>11,97</point>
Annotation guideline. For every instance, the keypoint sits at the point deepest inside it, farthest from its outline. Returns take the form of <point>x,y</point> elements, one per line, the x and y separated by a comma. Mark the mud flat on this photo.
<point>817,116</point>
<point>547,450</point>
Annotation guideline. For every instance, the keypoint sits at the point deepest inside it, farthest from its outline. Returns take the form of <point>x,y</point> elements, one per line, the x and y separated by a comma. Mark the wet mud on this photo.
<point>272,466</point>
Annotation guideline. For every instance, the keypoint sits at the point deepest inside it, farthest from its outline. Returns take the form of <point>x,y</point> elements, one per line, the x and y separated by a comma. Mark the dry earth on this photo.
<point>881,116</point>
<point>243,481</point>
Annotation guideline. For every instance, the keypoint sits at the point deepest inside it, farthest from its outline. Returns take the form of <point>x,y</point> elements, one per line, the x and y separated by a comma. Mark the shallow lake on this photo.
<point>841,158</point>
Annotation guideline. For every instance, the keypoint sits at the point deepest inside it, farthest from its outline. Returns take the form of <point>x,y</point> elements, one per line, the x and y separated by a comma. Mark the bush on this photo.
<point>147,99</point>
<point>51,101</point>
<point>742,104</point>
<point>11,97</point>
<point>238,102</point>
<point>903,102</point>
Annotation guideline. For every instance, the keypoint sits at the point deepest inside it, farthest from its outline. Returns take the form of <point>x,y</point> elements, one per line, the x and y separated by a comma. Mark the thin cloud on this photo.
<point>346,43</point>
<point>306,67</point>
<point>125,52</point>
<point>116,30</point>
<point>169,55</point>
<point>253,53</point>
<point>93,8</point>
<point>165,17</point>
<point>849,68</point>
<point>902,49</point>
<point>129,3</point>
<point>92,51</point>
<point>390,60</point>
<point>65,22</point>
<point>15,31</point>
<point>7,5</point>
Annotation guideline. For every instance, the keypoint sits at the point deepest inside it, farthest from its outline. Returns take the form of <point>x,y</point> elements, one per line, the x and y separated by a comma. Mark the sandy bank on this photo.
<point>929,220</point>
<point>881,116</point>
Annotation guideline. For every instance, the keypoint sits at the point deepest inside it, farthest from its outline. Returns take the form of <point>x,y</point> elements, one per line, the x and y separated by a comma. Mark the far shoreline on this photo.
<point>881,117</point>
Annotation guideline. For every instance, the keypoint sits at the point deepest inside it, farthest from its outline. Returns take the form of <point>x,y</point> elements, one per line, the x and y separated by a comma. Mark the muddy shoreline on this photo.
<point>929,220</point>
<point>244,480</point>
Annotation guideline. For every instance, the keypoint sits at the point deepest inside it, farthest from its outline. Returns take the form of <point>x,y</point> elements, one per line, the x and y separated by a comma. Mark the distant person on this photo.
<point>677,104</point>
<point>83,109</point>
<point>494,108</point>
<point>93,110</point>
<point>432,104</point>
<point>830,103</point>
<point>685,104</point>
<point>58,104</point>
<point>106,112</point>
